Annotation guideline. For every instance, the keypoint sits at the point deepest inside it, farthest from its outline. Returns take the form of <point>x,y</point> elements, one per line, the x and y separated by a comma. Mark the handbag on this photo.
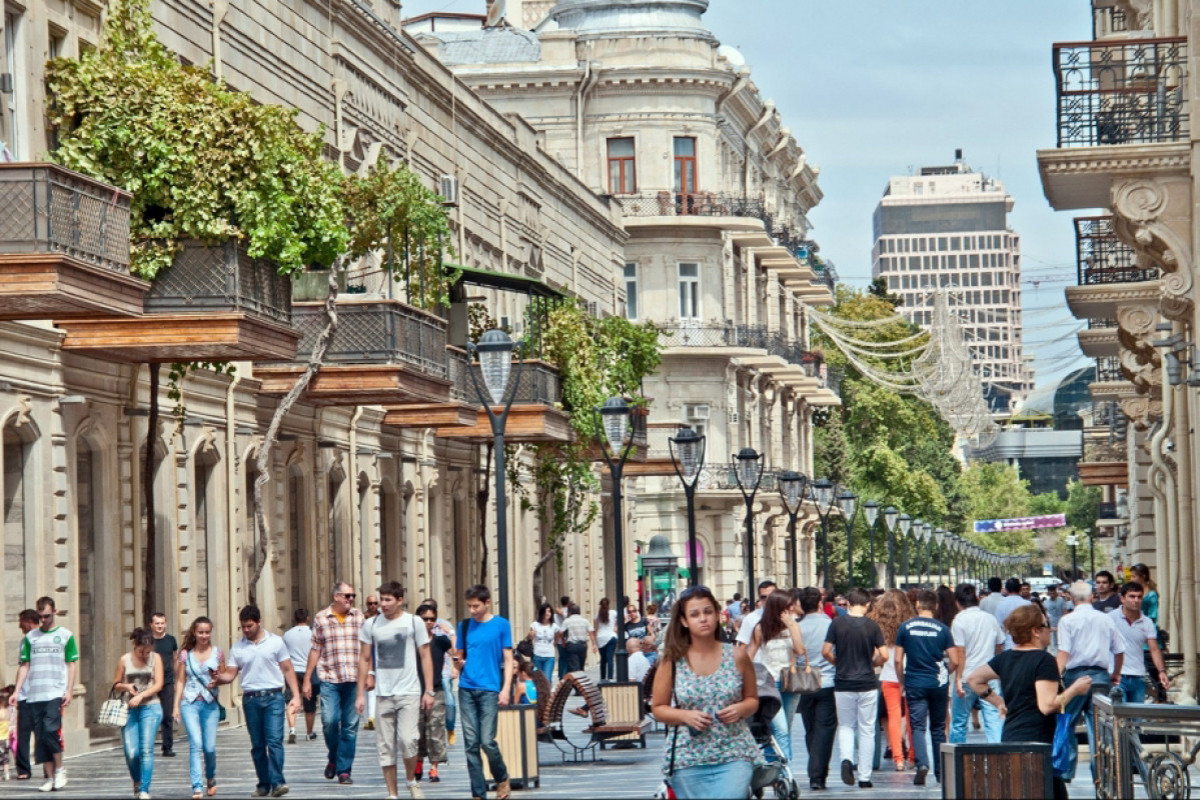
<point>665,790</point>
<point>216,693</point>
<point>1064,744</point>
<point>800,681</point>
<point>114,712</point>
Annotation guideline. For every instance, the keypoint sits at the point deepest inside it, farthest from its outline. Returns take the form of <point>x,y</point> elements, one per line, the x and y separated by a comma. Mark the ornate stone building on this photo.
<point>1125,113</point>
<point>358,491</point>
<point>644,105</point>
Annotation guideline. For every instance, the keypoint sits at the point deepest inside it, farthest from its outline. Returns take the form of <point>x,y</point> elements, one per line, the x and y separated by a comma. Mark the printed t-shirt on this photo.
<point>485,646</point>
<point>925,641</point>
<point>543,639</point>
<point>396,642</point>
<point>1019,670</point>
<point>637,629</point>
<point>854,640</point>
<point>259,662</point>
<point>47,653</point>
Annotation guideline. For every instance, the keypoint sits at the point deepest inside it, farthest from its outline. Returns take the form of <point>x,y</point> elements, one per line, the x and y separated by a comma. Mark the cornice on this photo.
<point>1117,159</point>
<point>1093,300</point>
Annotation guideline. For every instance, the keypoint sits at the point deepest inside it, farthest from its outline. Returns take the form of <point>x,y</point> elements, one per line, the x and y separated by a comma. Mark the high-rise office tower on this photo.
<point>947,227</point>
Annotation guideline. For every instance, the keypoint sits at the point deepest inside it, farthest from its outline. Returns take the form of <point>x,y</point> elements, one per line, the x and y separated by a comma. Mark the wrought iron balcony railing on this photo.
<point>376,332</point>
<point>1103,258</point>
<point>221,277</point>
<point>710,334</point>
<point>1108,370</point>
<point>687,204</point>
<point>540,384</point>
<point>49,209</point>
<point>1130,91</point>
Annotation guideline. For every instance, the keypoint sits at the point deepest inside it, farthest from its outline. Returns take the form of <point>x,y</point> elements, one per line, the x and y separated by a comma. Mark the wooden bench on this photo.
<point>595,726</point>
<point>624,701</point>
<point>1016,771</point>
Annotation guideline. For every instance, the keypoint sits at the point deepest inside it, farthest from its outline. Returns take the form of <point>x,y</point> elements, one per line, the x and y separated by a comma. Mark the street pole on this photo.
<point>748,478</point>
<point>890,517</point>
<point>613,420</point>
<point>848,504</point>
<point>687,456</point>
<point>905,524</point>
<point>791,486</point>
<point>823,492</point>
<point>871,515</point>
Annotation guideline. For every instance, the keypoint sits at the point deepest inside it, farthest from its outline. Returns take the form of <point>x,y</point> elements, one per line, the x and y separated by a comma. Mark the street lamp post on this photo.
<point>871,515</point>
<point>791,489</point>
<point>939,536</point>
<point>823,493</point>
<point>1073,540</point>
<point>890,515</point>
<point>848,505</point>
<point>748,470</point>
<point>905,522</point>
<point>494,352</point>
<point>613,420</point>
<point>687,454</point>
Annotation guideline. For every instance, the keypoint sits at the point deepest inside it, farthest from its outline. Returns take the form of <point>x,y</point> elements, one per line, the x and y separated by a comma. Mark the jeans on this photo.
<point>731,779</point>
<point>562,661</point>
<point>339,723</point>
<point>1134,687</point>
<point>24,732</point>
<point>576,656</point>
<point>781,723</point>
<point>856,715</point>
<point>960,712</point>
<point>479,710</point>
<point>544,665</point>
<point>167,698</point>
<point>137,738</point>
<point>1083,705</point>
<point>451,686</point>
<point>264,723</point>
<point>608,670</point>
<point>927,709</point>
<point>819,714</point>
<point>200,720</point>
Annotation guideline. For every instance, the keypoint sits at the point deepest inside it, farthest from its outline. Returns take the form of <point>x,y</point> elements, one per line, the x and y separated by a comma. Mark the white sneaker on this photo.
<point>60,778</point>
<point>143,796</point>
<point>48,786</point>
<point>414,790</point>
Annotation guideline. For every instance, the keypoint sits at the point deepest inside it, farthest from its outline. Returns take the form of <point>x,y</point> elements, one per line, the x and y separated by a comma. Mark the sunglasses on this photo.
<point>429,619</point>
<point>372,602</point>
<point>348,595</point>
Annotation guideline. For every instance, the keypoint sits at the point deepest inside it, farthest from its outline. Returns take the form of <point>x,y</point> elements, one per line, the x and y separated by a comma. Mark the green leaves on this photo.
<point>202,161</point>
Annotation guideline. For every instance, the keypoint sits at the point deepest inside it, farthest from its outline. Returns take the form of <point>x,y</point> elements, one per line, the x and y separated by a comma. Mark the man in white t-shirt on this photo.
<point>751,620</point>
<point>400,643</point>
<point>298,641</point>
<point>981,639</point>
<point>1140,634</point>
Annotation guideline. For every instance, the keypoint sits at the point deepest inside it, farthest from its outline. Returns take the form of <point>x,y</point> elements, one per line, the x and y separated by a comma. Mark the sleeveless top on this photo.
<point>197,688</point>
<point>777,654</point>
<point>720,743</point>
<point>141,677</point>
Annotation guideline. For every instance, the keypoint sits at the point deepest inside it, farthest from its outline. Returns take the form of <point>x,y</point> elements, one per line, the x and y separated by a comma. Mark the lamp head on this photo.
<point>748,467</point>
<point>823,493</point>
<point>791,488</point>
<point>614,417</point>
<point>848,503</point>
<point>905,522</point>
<point>918,529</point>
<point>495,349</point>
<point>890,514</point>
<point>687,448</point>
<point>871,512</point>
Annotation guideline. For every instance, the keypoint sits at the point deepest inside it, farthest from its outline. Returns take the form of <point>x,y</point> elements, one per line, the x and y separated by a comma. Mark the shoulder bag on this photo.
<point>798,680</point>
<point>114,712</point>
<point>665,790</point>
<point>215,692</point>
<point>1064,743</point>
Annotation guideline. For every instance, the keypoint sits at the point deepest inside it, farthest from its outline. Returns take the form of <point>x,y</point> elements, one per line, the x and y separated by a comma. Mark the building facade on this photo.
<point>1124,158</point>
<point>644,105</point>
<point>358,491</point>
<point>947,227</point>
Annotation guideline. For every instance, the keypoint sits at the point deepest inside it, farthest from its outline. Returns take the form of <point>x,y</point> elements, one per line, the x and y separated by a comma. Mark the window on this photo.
<point>685,165</point>
<point>13,36</point>
<point>622,175</point>
<point>631,291</point>
<point>689,291</point>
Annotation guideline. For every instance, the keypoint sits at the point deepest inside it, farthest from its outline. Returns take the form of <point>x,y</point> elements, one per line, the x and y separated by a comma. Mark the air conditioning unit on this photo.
<point>697,412</point>
<point>449,190</point>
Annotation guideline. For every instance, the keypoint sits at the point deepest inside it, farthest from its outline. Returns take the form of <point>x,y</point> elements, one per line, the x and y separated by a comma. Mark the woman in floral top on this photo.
<point>714,691</point>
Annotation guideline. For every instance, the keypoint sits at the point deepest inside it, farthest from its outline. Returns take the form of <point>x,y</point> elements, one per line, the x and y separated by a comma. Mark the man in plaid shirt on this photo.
<point>334,655</point>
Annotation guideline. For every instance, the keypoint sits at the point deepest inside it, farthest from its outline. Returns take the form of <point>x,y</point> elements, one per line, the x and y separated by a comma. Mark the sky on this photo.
<point>875,88</point>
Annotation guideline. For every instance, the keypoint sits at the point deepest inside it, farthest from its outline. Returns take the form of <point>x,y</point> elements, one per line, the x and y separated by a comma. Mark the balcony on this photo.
<point>698,204</point>
<point>1104,462</point>
<point>535,416</point>
<point>64,246</point>
<point>383,352</point>
<point>1103,258</point>
<point>1121,108</point>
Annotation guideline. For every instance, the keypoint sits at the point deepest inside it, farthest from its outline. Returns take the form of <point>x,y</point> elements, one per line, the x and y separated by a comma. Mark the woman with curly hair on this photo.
<point>889,610</point>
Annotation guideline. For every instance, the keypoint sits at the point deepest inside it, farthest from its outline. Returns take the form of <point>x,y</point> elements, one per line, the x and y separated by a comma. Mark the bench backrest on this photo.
<point>591,695</point>
<point>552,713</point>
<point>542,684</point>
<point>648,688</point>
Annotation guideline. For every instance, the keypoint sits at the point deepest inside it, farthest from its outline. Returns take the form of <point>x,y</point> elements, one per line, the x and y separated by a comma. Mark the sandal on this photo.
<point>197,795</point>
<point>212,787</point>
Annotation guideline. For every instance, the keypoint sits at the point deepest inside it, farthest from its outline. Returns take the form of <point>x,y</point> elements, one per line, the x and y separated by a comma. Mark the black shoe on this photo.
<point>919,778</point>
<point>866,785</point>
<point>168,753</point>
<point>816,786</point>
<point>345,779</point>
<point>330,771</point>
<point>847,772</point>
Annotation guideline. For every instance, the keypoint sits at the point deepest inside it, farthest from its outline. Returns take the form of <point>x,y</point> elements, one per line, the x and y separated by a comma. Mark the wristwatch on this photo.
<point>431,693</point>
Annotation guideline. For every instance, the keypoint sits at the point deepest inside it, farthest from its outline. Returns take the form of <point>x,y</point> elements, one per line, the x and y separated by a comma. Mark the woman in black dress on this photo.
<point>1030,683</point>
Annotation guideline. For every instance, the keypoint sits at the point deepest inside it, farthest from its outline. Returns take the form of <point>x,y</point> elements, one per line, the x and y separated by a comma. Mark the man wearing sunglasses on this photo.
<point>334,656</point>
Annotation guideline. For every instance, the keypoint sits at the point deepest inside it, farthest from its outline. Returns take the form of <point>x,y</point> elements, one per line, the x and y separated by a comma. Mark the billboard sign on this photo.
<point>1020,523</point>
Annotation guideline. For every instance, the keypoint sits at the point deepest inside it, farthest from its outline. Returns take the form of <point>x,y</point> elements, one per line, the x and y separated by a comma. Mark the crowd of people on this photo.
<point>923,664</point>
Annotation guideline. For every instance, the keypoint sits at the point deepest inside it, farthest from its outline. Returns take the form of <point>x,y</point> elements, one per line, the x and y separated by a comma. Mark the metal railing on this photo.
<point>1130,91</point>
<point>1159,741</point>
<point>540,383</point>
<point>1095,323</point>
<point>1103,258</point>
<point>1097,451</point>
<point>1108,370</point>
<point>49,209</point>
<point>711,334</point>
<point>689,204</point>
<point>376,332</point>
<point>221,277</point>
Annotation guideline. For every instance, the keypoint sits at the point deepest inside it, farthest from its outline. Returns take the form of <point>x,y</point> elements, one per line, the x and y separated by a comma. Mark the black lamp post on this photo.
<point>687,454</point>
<point>494,351</point>
<point>748,469</point>
<point>871,515</point>
<point>890,515</point>
<point>905,524</point>
<point>613,420</point>
<point>848,505</point>
<point>1092,550</point>
<point>939,536</point>
<point>791,489</point>
<point>1073,540</point>
<point>823,494</point>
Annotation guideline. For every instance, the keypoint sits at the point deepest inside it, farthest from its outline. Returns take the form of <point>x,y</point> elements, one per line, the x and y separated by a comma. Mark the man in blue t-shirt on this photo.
<point>922,646</point>
<point>486,663</point>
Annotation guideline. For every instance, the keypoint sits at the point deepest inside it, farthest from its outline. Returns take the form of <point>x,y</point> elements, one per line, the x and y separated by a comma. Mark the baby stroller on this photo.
<point>777,772</point>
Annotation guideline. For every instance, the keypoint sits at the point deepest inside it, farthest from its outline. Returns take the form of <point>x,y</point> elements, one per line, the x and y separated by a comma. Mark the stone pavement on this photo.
<point>616,774</point>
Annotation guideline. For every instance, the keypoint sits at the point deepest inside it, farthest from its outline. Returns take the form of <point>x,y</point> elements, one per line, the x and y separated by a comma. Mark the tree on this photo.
<point>996,491</point>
